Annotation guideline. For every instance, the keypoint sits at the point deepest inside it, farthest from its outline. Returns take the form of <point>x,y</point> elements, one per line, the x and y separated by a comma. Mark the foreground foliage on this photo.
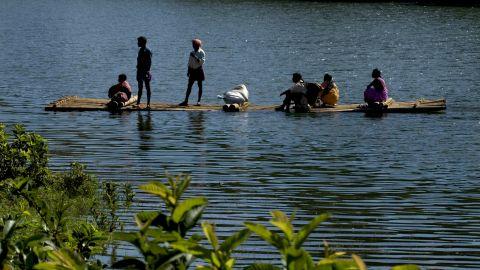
<point>61,220</point>
<point>44,213</point>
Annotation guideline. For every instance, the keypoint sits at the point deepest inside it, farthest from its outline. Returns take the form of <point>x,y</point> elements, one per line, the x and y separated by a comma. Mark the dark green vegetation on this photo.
<point>46,214</point>
<point>59,220</point>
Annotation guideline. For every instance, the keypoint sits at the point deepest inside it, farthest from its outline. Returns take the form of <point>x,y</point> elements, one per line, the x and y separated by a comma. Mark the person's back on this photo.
<point>120,92</point>
<point>313,90</point>
<point>301,102</point>
<point>377,90</point>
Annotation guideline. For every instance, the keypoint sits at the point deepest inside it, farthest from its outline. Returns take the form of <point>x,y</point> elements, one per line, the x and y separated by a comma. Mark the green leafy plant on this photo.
<point>87,239</point>
<point>219,257</point>
<point>8,227</point>
<point>157,229</point>
<point>289,243</point>
<point>26,155</point>
<point>50,205</point>
<point>106,212</point>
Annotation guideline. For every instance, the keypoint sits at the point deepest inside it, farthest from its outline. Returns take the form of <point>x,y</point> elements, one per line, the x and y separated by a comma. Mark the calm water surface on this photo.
<point>401,188</point>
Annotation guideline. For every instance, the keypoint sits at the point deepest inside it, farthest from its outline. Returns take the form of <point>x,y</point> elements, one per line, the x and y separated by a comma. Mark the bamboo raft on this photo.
<point>75,103</point>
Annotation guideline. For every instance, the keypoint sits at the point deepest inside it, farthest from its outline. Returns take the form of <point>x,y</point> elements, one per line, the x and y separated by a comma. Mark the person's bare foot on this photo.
<point>198,104</point>
<point>183,104</point>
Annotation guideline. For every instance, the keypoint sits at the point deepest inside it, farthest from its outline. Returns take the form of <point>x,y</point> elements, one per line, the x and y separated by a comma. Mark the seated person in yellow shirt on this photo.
<point>329,94</point>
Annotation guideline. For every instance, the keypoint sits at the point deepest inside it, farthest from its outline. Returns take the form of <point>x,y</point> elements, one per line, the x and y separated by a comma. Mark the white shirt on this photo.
<point>298,88</point>
<point>194,63</point>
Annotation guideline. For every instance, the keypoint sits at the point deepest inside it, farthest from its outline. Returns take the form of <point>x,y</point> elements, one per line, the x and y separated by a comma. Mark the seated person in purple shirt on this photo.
<point>376,91</point>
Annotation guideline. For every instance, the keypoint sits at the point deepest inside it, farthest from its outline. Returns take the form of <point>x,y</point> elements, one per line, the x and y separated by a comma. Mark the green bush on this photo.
<point>24,156</point>
<point>43,209</point>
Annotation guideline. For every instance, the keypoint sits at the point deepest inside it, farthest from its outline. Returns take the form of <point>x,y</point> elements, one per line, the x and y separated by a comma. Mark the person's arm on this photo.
<point>287,91</point>
<point>111,91</point>
<point>148,60</point>
<point>371,83</point>
<point>326,90</point>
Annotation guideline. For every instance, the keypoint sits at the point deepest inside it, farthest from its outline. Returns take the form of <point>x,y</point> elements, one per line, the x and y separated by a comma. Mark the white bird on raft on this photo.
<point>235,98</point>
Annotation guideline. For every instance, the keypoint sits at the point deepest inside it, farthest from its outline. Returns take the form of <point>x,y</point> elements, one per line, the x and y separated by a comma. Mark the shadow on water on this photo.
<point>145,126</point>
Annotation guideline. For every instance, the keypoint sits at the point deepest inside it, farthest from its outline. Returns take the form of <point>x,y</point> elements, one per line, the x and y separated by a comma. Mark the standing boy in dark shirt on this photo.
<point>144,62</point>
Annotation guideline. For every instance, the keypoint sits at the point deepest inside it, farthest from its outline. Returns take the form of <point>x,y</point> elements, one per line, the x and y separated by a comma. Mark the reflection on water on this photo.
<point>401,188</point>
<point>197,126</point>
<point>145,126</point>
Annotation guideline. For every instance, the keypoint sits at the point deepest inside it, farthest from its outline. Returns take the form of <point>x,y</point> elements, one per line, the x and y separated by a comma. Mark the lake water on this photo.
<point>401,188</point>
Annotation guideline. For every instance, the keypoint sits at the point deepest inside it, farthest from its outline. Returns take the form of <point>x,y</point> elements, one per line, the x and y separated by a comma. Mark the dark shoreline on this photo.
<point>460,3</point>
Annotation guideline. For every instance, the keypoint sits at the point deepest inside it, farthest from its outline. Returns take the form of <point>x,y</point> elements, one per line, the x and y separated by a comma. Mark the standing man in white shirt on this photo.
<point>195,71</point>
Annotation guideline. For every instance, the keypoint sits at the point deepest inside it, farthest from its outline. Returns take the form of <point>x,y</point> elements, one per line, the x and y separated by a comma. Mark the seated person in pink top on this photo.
<point>377,90</point>
<point>119,93</point>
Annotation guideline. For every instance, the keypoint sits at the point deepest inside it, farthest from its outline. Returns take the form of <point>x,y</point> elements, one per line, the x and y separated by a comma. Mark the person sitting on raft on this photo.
<point>376,91</point>
<point>119,93</point>
<point>296,92</point>
<point>329,94</point>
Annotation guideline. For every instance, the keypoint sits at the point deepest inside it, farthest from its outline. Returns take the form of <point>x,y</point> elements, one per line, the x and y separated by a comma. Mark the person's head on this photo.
<point>142,41</point>
<point>327,77</point>
<point>376,73</point>
<point>122,77</point>
<point>296,77</point>
<point>196,44</point>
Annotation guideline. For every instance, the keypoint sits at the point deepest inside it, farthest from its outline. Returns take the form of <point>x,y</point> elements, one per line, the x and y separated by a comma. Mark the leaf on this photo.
<point>129,237</point>
<point>303,234</point>
<point>281,221</point>
<point>185,206</point>
<point>271,237</point>
<point>32,240</point>
<point>233,241</point>
<point>262,266</point>
<point>145,219</point>
<point>215,260</point>
<point>9,229</point>
<point>62,259</point>
<point>180,260</point>
<point>338,264</point>
<point>406,267</point>
<point>204,267</point>
<point>359,262</point>
<point>162,236</point>
<point>191,247</point>
<point>191,217</point>
<point>229,264</point>
<point>159,189</point>
<point>146,216</point>
<point>209,231</point>
<point>20,183</point>
<point>130,263</point>
<point>182,185</point>
<point>163,222</point>
<point>298,259</point>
